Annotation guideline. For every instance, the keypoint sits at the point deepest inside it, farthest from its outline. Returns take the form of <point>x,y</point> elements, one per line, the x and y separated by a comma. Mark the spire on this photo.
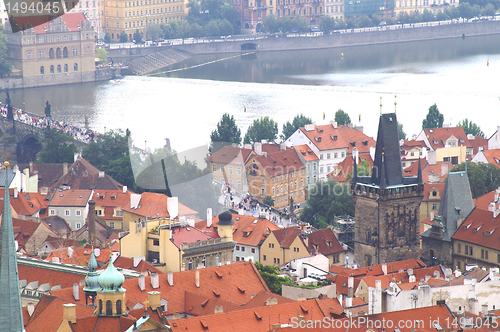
<point>91,280</point>
<point>11,319</point>
<point>354,171</point>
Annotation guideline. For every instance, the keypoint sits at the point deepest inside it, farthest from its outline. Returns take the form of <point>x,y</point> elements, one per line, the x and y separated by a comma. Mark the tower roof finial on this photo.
<point>380,105</point>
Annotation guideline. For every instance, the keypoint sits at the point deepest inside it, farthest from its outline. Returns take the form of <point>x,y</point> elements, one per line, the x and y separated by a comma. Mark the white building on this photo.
<point>316,267</point>
<point>494,140</point>
<point>331,143</point>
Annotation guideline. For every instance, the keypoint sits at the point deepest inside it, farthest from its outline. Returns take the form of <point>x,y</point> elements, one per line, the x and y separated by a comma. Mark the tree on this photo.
<point>110,153</point>
<point>123,37</point>
<point>107,38</point>
<point>327,24</point>
<point>268,200</point>
<point>261,129</point>
<point>227,132</point>
<point>471,128</point>
<point>434,118</point>
<point>137,36</point>
<point>57,147</point>
<point>153,32</point>
<point>5,66</point>
<point>342,118</point>
<point>327,200</point>
<point>272,278</point>
<point>290,127</point>
<point>401,132</point>
<point>101,54</point>
<point>483,178</point>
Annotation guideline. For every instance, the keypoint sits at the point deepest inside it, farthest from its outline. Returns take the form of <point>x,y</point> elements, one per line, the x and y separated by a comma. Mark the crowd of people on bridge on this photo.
<point>84,135</point>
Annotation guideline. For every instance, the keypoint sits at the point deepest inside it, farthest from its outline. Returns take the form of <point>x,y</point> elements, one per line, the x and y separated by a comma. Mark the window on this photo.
<point>98,212</point>
<point>484,254</point>
<point>100,307</point>
<point>156,242</point>
<point>237,248</point>
<point>242,248</point>
<point>271,245</point>
<point>67,213</point>
<point>42,70</point>
<point>65,67</point>
<point>253,250</point>
<point>78,225</point>
<point>65,52</point>
<point>112,224</point>
<point>119,307</point>
<point>78,213</point>
<point>459,248</point>
<point>109,308</point>
<point>52,212</point>
<point>58,53</point>
<point>52,69</point>
<point>51,53</point>
<point>237,259</point>
<point>498,258</point>
<point>75,66</point>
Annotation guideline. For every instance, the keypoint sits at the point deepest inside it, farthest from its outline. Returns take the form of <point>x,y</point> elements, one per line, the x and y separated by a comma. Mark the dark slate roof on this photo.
<point>457,202</point>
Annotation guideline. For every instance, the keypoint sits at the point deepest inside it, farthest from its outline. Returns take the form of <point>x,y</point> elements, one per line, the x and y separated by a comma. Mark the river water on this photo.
<point>462,76</point>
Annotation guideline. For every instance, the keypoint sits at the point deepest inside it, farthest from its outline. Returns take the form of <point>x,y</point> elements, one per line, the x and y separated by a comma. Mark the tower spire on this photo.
<point>11,319</point>
<point>419,172</point>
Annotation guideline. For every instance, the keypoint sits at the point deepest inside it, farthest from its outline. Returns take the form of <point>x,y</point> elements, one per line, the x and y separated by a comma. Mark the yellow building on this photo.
<point>447,144</point>
<point>57,52</point>
<point>280,175</point>
<point>282,246</point>
<point>228,166</point>
<point>129,16</point>
<point>176,246</point>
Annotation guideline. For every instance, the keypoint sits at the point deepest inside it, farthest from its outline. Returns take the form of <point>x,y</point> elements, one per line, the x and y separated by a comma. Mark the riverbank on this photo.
<point>375,36</point>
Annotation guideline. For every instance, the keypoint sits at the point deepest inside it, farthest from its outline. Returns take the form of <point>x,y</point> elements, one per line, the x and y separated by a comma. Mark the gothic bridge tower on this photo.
<point>386,203</point>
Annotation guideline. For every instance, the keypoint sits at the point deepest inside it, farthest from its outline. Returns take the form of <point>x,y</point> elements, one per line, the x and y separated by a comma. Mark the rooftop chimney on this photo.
<point>16,193</point>
<point>197,278</point>
<point>70,252</point>
<point>173,207</point>
<point>124,189</point>
<point>76,291</point>
<point>218,309</point>
<point>137,260</point>
<point>209,217</point>
<point>141,281</point>
<point>282,146</point>
<point>91,222</point>
<point>384,268</point>
<point>69,312</point>
<point>30,307</point>
<point>154,299</point>
<point>257,147</point>
<point>170,278</point>
<point>155,280</point>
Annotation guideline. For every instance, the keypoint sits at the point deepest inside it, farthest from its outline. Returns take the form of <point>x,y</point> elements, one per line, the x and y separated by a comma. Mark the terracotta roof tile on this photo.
<point>324,242</point>
<point>437,136</point>
<point>328,137</point>
<point>286,236</point>
<point>481,228</point>
<point>154,205</point>
<point>493,157</point>
<point>70,197</point>
<point>305,151</point>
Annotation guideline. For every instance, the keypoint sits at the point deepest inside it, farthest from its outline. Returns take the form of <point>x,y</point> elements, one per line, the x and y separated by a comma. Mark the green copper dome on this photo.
<point>111,279</point>
<point>92,277</point>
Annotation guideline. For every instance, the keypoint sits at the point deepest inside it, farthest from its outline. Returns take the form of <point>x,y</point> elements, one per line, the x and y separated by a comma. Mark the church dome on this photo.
<point>92,277</point>
<point>111,279</point>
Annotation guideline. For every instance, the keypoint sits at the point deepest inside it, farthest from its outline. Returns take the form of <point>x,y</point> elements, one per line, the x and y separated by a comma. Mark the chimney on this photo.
<point>350,287</point>
<point>65,168</point>
<point>141,281</point>
<point>70,252</point>
<point>76,291</point>
<point>271,301</point>
<point>355,152</point>
<point>154,299</point>
<point>412,278</point>
<point>209,217</point>
<point>124,189</point>
<point>170,278</point>
<point>56,260</point>
<point>257,147</point>
<point>30,307</point>
<point>155,280</point>
<point>16,193</point>
<point>69,312</point>
<point>197,278</point>
<point>173,207</point>
<point>101,174</point>
<point>218,309</point>
<point>137,260</point>
<point>91,222</point>
<point>384,268</point>
<point>484,310</point>
<point>378,285</point>
<point>282,146</point>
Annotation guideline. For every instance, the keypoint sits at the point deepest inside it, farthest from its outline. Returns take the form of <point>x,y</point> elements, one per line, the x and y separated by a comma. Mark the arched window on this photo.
<point>109,308</point>
<point>100,307</point>
<point>119,307</point>
<point>75,66</point>
<point>58,68</point>
<point>65,67</point>
<point>65,52</point>
<point>58,53</point>
<point>42,70</point>
<point>52,69</point>
<point>51,53</point>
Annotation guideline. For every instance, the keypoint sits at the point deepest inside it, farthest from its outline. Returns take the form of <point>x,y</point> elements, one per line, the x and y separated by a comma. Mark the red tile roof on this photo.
<point>102,324</point>
<point>26,204</point>
<point>110,200</point>
<point>437,172</point>
<point>251,231</point>
<point>429,188</point>
<point>408,144</point>
<point>437,136</point>
<point>493,157</point>
<point>305,151</point>
<point>70,197</point>
<point>187,235</point>
<point>480,228</point>
<point>230,154</point>
<point>324,242</point>
<point>44,275</point>
<point>477,144</point>
<point>154,205</point>
<point>280,162</point>
<point>482,202</point>
<point>72,22</point>
<point>328,137</point>
<point>253,319</point>
<point>286,236</point>
<point>343,170</point>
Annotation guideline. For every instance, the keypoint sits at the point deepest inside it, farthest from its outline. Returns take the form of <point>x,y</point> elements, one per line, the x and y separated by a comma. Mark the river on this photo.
<point>461,75</point>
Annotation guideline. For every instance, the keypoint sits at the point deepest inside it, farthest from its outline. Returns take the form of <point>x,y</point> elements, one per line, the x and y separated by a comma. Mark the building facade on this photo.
<point>72,205</point>
<point>57,52</point>
<point>386,203</point>
<point>282,246</point>
<point>130,16</point>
